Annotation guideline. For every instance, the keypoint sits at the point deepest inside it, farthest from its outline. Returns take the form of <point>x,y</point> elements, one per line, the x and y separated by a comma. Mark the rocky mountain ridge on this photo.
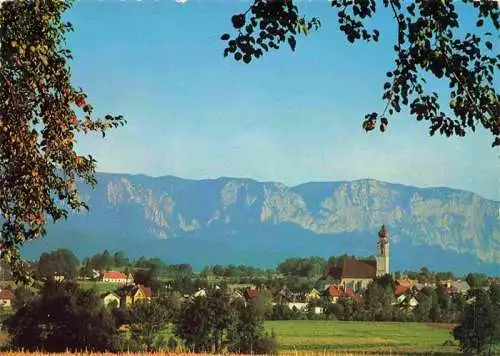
<point>171,208</point>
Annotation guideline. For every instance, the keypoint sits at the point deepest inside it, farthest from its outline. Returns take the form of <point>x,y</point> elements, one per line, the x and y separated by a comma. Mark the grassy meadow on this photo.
<point>317,337</point>
<point>102,287</point>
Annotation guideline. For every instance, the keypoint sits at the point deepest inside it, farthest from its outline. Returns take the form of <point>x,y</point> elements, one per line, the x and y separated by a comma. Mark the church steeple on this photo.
<point>383,251</point>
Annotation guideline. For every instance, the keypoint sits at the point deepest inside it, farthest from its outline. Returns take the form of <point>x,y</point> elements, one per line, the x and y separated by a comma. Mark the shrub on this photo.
<point>266,345</point>
<point>172,343</point>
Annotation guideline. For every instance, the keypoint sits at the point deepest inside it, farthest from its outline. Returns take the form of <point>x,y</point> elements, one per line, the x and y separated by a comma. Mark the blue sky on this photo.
<point>288,117</point>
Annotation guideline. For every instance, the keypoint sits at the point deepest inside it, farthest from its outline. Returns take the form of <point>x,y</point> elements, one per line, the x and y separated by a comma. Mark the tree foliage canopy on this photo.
<point>63,317</point>
<point>479,328</point>
<point>61,262</point>
<point>41,114</point>
<point>428,45</point>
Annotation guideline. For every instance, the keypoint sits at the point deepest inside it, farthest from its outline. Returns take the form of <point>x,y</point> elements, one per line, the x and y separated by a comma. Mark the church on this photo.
<point>357,274</point>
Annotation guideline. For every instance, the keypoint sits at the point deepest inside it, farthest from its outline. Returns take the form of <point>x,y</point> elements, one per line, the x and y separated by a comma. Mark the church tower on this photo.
<point>383,252</point>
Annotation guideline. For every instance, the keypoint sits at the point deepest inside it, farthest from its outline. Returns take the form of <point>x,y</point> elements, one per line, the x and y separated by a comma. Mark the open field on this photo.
<point>311,336</point>
<point>102,287</point>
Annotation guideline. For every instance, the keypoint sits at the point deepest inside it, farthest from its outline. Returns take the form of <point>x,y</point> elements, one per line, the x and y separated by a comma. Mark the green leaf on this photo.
<point>489,44</point>
<point>224,37</point>
<point>292,42</point>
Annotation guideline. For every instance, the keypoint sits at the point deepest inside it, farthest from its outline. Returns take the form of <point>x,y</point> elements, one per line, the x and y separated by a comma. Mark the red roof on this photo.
<point>114,275</point>
<point>146,290</point>
<point>6,294</point>
<point>335,291</point>
<point>251,293</point>
<point>350,293</point>
<point>366,269</point>
<point>131,289</point>
<point>400,289</point>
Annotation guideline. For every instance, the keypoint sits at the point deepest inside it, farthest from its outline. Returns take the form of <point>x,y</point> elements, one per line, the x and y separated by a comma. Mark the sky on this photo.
<point>291,117</point>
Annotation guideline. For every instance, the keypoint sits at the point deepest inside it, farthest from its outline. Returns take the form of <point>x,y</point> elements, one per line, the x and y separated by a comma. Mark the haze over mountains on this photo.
<point>242,221</point>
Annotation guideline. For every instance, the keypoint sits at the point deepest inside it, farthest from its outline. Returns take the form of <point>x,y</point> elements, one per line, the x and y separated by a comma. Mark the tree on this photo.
<point>247,336</point>
<point>86,269</point>
<point>423,309</point>
<point>61,262</point>
<point>148,278</point>
<point>23,295</point>
<point>204,322</point>
<point>41,115</point>
<point>63,317</point>
<point>477,280</point>
<point>428,45</point>
<point>378,298</point>
<point>148,319</point>
<point>119,259</point>
<point>101,261</point>
<point>479,328</point>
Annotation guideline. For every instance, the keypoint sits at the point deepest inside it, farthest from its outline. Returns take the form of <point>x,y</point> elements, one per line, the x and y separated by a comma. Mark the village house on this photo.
<point>313,295</point>
<point>200,293</point>
<point>457,287</point>
<point>237,294</point>
<point>404,297</point>
<point>116,277</point>
<point>407,282</point>
<point>298,306</point>
<point>111,298</point>
<point>130,294</point>
<point>401,289</point>
<point>334,293</point>
<point>250,293</point>
<point>58,277</point>
<point>407,301</point>
<point>6,296</point>
<point>285,295</point>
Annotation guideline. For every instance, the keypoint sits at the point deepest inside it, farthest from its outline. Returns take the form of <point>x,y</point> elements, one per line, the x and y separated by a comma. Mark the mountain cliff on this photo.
<point>230,220</point>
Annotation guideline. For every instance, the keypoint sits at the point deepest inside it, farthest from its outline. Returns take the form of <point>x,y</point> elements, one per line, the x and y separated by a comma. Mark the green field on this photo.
<point>372,337</point>
<point>102,287</point>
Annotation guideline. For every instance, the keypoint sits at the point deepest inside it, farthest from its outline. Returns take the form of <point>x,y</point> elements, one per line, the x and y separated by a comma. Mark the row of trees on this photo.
<point>298,272</point>
<point>233,271</point>
<point>64,317</point>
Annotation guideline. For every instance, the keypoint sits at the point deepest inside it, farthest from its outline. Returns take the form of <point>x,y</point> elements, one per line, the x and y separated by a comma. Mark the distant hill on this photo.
<point>231,220</point>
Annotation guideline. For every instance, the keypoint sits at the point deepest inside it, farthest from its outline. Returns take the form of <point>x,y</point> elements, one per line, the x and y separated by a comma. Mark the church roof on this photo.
<point>355,269</point>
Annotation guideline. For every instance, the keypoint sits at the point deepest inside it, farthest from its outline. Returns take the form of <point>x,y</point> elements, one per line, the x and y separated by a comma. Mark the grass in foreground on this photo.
<point>316,337</point>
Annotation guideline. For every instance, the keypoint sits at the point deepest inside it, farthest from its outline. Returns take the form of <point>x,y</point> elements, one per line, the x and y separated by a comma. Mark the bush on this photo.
<point>63,317</point>
<point>172,344</point>
<point>266,345</point>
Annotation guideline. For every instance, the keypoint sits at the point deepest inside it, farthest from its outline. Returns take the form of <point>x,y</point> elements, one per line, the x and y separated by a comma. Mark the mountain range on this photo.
<point>243,221</point>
